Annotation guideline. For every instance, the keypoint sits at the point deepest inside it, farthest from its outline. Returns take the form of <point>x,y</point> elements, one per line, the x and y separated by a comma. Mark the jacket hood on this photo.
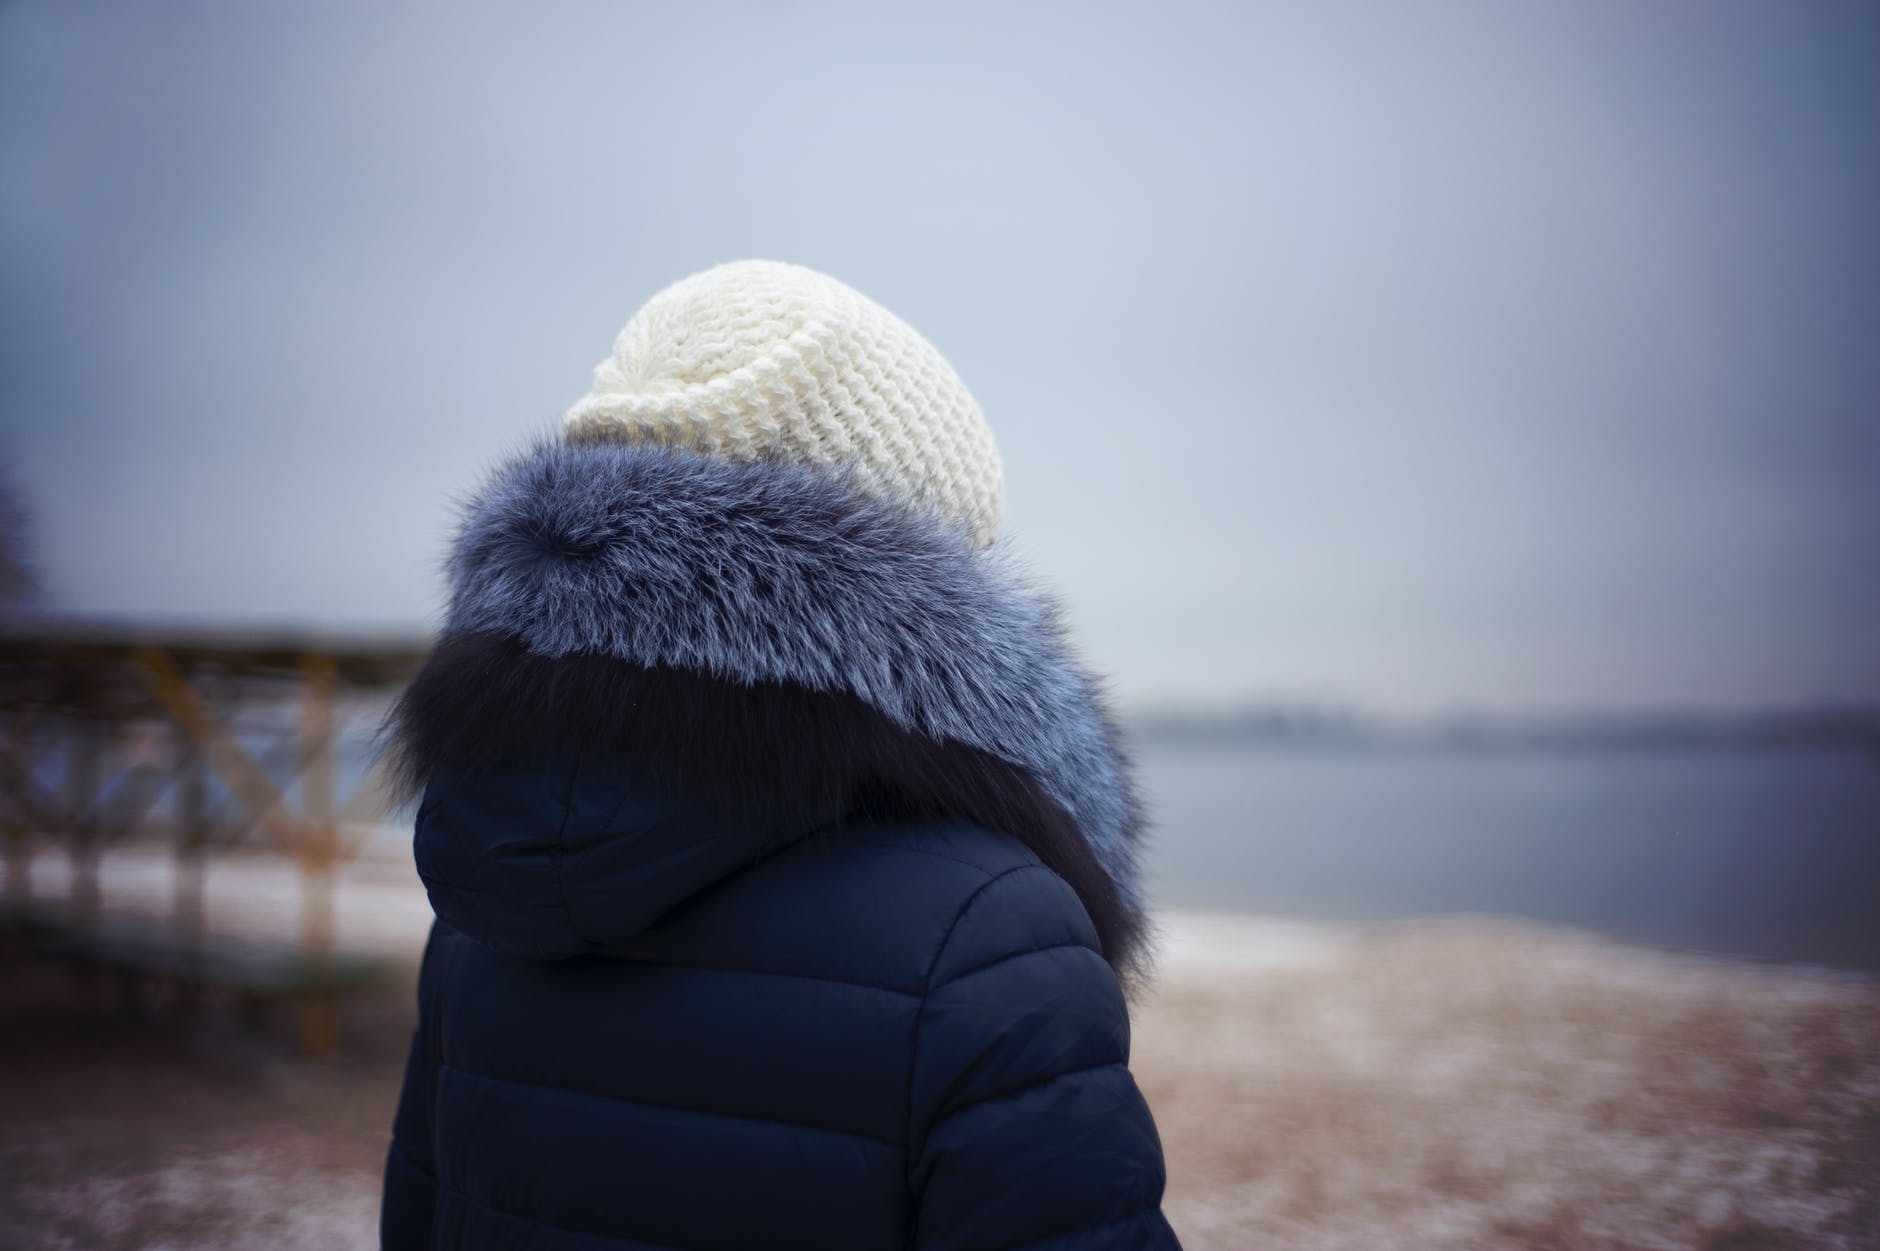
<point>660,665</point>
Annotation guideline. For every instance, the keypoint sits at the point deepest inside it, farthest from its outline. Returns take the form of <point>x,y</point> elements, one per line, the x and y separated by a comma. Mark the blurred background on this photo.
<point>1454,430</point>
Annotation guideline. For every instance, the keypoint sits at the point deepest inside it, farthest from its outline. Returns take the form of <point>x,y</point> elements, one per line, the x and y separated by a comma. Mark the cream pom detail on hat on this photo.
<point>767,360</point>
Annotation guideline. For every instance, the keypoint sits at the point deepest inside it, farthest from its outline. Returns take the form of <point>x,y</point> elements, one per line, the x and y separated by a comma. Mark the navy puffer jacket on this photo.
<point>784,871</point>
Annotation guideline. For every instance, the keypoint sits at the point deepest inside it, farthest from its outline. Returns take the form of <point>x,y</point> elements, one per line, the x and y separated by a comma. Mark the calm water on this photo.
<point>1771,854</point>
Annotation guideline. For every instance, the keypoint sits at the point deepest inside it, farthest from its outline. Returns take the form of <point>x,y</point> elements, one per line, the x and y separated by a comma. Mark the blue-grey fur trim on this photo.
<point>754,571</point>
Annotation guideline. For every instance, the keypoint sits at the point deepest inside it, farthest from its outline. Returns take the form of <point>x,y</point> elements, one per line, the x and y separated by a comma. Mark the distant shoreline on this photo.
<point>1817,729</point>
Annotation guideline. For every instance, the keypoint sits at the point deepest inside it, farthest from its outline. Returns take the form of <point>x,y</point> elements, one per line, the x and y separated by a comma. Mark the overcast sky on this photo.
<point>1499,356</point>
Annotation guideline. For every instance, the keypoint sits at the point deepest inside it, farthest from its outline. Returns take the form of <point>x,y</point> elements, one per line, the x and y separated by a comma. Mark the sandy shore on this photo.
<point>1484,1083</point>
<point>1457,1083</point>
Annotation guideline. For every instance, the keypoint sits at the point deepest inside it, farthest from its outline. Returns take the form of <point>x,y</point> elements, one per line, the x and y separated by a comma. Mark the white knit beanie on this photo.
<point>766,360</point>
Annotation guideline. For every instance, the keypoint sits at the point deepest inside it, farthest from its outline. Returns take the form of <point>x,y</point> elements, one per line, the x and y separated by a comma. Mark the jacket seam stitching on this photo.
<point>732,968</point>
<point>1016,955</point>
<point>1137,1215</point>
<point>1040,1084</point>
<point>673,1107</point>
<point>893,845</point>
<point>487,1206</point>
<point>920,1020</point>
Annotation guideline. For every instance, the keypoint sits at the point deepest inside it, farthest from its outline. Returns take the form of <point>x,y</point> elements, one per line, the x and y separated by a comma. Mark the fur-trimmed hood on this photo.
<point>754,650</point>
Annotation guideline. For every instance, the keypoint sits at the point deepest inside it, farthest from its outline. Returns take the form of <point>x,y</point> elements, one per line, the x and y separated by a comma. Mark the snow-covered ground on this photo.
<point>1447,1083</point>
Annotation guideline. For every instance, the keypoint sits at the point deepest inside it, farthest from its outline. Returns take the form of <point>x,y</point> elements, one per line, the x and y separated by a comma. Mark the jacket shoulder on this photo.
<point>878,903</point>
<point>1016,906</point>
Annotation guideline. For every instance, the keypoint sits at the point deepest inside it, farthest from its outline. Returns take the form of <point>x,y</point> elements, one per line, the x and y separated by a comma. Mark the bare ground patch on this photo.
<point>1485,1084</point>
<point>1465,1084</point>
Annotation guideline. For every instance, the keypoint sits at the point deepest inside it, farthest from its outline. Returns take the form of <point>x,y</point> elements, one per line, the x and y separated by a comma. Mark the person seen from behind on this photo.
<point>784,858</point>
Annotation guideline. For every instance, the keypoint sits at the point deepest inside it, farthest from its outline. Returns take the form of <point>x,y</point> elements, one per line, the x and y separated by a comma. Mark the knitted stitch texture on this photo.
<point>763,360</point>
